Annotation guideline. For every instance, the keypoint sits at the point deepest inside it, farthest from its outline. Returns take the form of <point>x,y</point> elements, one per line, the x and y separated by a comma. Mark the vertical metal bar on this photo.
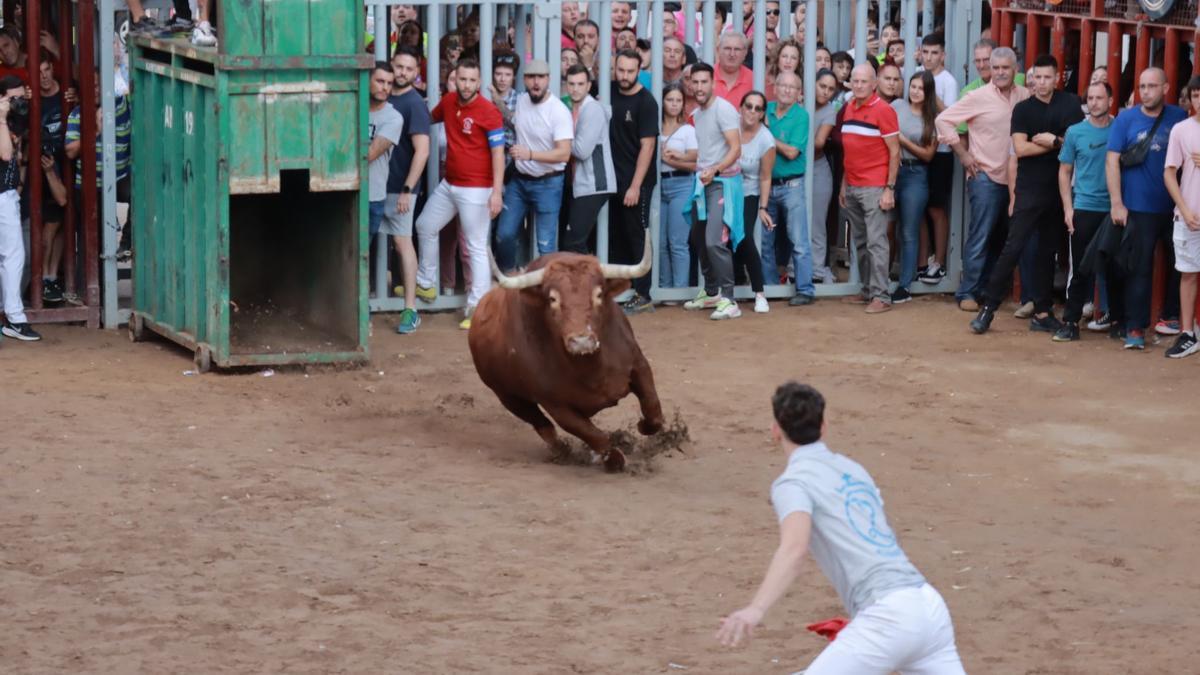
<point>785,19</point>
<point>689,23</point>
<point>1058,48</point>
<point>539,36</point>
<point>1170,58</point>
<point>654,227</point>
<point>522,42</point>
<point>434,93</point>
<point>33,182</point>
<point>844,34</point>
<point>1141,54</point>
<point>908,32</point>
<point>1033,39</point>
<point>709,44</point>
<point>605,74</point>
<point>927,17</point>
<point>810,105</point>
<point>70,245</point>
<point>487,32</point>
<point>108,137</point>
<point>1087,55</point>
<point>860,30</point>
<point>759,46</point>
<point>379,283</point>
<point>885,15</point>
<point>736,18</point>
<point>555,48</point>
<point>643,19</point>
<point>1114,64</point>
<point>1006,30</point>
<point>451,17</point>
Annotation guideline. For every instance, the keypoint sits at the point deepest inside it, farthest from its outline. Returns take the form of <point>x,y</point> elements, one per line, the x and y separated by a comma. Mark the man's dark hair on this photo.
<point>11,32</point>
<point>467,63</point>
<point>842,57</point>
<point>934,40</point>
<point>1046,61</point>
<point>587,22</point>
<point>1192,85</point>
<point>579,68</point>
<point>702,67</point>
<point>893,25</point>
<point>626,29</point>
<point>382,65</point>
<point>628,54</point>
<point>1108,87</point>
<point>408,50</point>
<point>643,43</point>
<point>799,412</point>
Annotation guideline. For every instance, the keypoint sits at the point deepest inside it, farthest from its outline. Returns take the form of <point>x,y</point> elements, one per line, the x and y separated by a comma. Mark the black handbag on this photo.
<point>1136,154</point>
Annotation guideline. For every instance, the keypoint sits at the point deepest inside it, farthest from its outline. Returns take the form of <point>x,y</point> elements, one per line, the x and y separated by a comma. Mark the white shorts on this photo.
<point>908,630</point>
<point>1187,248</point>
<point>395,223</point>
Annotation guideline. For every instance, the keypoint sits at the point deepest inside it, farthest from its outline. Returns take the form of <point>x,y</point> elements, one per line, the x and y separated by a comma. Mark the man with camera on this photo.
<point>12,244</point>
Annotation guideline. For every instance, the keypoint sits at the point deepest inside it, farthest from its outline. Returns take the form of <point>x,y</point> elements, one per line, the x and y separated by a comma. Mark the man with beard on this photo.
<point>404,177</point>
<point>543,146</point>
<point>472,188</point>
<point>633,135</point>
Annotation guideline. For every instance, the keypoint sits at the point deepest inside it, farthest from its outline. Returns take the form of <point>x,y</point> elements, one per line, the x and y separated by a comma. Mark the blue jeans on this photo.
<point>375,216</point>
<point>674,258</point>
<point>912,196</point>
<point>545,198</point>
<point>989,205</point>
<point>788,208</point>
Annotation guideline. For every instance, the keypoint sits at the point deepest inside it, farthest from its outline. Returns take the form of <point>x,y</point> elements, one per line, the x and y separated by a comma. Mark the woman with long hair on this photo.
<point>679,152</point>
<point>787,57</point>
<point>757,161</point>
<point>918,143</point>
<point>823,120</point>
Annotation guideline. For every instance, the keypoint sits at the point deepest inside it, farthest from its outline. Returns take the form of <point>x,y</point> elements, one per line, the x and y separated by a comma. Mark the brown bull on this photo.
<point>554,337</point>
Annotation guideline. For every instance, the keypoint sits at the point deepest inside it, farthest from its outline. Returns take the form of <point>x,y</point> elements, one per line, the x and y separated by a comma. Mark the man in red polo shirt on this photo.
<point>872,158</point>
<point>472,189</point>
<point>733,80</point>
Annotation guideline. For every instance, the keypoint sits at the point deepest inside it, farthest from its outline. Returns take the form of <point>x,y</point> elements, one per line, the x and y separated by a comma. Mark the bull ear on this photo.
<point>615,287</point>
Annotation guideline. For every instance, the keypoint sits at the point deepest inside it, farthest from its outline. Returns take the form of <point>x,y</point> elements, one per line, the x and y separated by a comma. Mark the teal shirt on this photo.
<point>792,129</point>
<point>1086,147</point>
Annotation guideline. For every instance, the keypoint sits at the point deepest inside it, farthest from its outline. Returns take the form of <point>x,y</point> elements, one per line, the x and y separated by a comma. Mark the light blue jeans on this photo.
<point>789,209</point>
<point>912,195</point>
<point>544,197</point>
<point>674,258</point>
<point>989,205</point>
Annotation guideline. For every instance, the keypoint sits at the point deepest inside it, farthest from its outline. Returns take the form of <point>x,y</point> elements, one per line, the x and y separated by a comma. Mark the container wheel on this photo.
<point>137,328</point>
<point>203,359</point>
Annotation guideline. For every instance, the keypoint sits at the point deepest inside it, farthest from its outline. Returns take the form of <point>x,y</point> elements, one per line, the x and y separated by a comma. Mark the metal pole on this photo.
<point>643,20</point>
<point>539,35</point>
<point>33,182</point>
<point>908,32</point>
<point>860,30</point>
<point>605,75</point>
<point>709,45</point>
<point>735,13</point>
<point>810,105</point>
<point>522,42</point>
<point>927,18</point>
<point>433,94</point>
<point>555,47</point>
<point>487,32</point>
<point>379,283</point>
<point>760,44</point>
<point>785,19</point>
<point>689,23</point>
<point>108,133</point>
<point>656,84</point>
<point>885,15</point>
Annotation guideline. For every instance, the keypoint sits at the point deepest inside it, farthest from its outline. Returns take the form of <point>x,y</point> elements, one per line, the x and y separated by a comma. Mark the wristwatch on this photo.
<point>404,189</point>
<point>891,186</point>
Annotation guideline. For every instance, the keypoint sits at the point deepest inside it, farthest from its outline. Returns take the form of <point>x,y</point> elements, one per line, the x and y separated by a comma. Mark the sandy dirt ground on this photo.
<point>395,519</point>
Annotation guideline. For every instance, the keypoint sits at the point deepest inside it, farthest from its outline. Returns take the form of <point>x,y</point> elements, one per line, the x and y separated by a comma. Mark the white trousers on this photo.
<point>470,204</point>
<point>908,630</point>
<point>12,256</point>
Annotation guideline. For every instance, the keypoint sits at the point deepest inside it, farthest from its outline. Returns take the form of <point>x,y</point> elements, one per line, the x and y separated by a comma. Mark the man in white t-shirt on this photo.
<point>941,169</point>
<point>1183,149</point>
<point>544,131</point>
<point>386,125</point>
<point>828,504</point>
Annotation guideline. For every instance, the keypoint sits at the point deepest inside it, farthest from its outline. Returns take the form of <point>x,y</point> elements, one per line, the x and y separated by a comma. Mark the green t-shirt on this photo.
<point>792,129</point>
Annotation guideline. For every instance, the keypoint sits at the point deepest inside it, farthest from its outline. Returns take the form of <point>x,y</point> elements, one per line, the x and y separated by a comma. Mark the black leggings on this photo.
<point>581,223</point>
<point>746,255</point>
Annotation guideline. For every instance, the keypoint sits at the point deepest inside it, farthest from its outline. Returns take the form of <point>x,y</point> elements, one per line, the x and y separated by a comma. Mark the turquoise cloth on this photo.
<point>732,212</point>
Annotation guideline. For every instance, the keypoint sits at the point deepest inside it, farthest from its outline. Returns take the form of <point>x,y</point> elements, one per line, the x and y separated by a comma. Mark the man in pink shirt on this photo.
<point>733,80</point>
<point>987,112</point>
<point>1183,155</point>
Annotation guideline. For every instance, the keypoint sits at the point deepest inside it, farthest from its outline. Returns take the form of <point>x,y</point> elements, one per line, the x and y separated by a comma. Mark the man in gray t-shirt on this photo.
<point>385,125</point>
<point>828,504</point>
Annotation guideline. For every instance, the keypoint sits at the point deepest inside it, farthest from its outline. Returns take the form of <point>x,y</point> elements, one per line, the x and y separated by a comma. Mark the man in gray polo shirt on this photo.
<point>829,503</point>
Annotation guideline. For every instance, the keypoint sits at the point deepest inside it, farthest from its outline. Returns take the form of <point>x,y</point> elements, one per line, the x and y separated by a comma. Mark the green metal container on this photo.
<point>249,202</point>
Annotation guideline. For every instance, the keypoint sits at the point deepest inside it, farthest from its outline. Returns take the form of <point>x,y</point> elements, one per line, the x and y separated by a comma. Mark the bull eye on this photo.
<point>555,299</point>
<point>597,296</point>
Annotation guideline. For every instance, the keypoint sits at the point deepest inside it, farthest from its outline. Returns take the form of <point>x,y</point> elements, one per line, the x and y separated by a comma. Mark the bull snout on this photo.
<point>582,344</point>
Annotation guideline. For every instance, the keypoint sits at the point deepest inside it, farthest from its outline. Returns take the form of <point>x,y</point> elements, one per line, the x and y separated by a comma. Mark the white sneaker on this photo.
<point>726,309</point>
<point>1024,311</point>
<point>203,35</point>
<point>760,304</point>
<point>1089,309</point>
<point>702,301</point>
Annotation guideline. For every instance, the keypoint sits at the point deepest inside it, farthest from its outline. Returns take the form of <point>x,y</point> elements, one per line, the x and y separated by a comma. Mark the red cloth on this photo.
<point>829,628</point>
<point>468,153</point>
<point>863,129</point>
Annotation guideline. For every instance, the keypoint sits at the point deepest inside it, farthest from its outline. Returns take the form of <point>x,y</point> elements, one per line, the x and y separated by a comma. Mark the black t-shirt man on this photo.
<point>634,117</point>
<point>1037,176</point>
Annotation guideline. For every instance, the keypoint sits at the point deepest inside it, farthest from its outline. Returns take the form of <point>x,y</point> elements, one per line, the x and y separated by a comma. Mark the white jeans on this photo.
<point>12,256</point>
<point>908,630</point>
<point>470,204</point>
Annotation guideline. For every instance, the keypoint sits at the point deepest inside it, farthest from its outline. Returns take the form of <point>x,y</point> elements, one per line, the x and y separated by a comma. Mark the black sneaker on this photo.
<point>51,290</point>
<point>981,323</point>
<point>901,296</point>
<point>1116,331</point>
<point>147,25</point>
<point>800,300</point>
<point>1046,324</point>
<point>1068,333</point>
<point>1185,345</point>
<point>178,24</point>
<point>20,331</point>
<point>638,304</point>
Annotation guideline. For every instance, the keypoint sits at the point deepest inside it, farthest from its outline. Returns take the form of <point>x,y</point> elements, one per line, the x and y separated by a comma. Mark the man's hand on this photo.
<point>887,200</point>
<point>632,195</point>
<point>1012,203</point>
<point>1196,159</point>
<point>1045,139</point>
<point>1120,215</point>
<point>5,106</point>
<point>405,203</point>
<point>765,216</point>
<point>495,202</point>
<point>738,626</point>
<point>71,97</point>
<point>520,152</point>
<point>1069,219</point>
<point>1192,220</point>
<point>706,175</point>
<point>670,153</point>
<point>842,196</point>
<point>47,162</point>
<point>970,164</point>
<point>494,95</point>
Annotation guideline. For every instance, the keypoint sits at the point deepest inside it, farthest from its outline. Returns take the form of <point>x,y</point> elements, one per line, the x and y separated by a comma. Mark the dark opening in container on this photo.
<point>293,270</point>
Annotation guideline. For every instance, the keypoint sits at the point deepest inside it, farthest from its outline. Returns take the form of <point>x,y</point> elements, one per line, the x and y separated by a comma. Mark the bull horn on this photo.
<point>630,271</point>
<point>517,282</point>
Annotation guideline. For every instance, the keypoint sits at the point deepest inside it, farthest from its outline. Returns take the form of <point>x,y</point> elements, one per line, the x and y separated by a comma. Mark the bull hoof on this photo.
<point>614,461</point>
<point>649,427</point>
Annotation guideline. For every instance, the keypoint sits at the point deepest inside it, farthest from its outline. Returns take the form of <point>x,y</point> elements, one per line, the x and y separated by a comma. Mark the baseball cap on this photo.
<point>537,67</point>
